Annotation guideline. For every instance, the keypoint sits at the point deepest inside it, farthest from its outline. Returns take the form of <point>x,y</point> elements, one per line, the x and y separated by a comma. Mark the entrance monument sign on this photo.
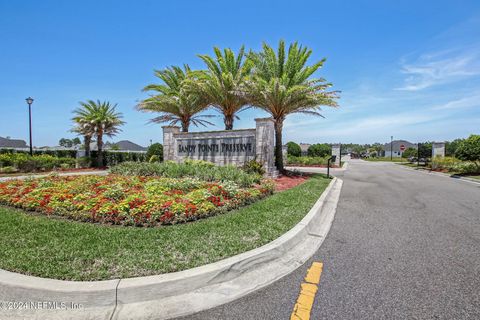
<point>234,147</point>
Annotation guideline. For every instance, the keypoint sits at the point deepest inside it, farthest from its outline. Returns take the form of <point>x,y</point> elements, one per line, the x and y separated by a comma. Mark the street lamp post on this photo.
<point>391,148</point>
<point>29,102</point>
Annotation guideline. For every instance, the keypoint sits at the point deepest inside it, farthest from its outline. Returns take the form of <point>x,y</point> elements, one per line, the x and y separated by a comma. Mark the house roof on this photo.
<point>397,143</point>
<point>12,143</point>
<point>123,145</point>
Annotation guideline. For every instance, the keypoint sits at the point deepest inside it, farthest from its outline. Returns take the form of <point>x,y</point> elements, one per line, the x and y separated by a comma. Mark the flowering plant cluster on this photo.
<point>129,200</point>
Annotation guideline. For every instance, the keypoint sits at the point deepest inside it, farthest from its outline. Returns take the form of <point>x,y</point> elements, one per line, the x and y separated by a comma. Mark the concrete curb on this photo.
<point>441,174</point>
<point>179,293</point>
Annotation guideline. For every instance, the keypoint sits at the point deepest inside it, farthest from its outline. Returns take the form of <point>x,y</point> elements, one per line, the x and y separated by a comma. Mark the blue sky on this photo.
<point>410,69</point>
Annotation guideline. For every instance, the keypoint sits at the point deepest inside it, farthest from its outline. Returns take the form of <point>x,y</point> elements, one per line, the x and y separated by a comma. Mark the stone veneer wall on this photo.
<point>223,147</point>
<point>438,149</point>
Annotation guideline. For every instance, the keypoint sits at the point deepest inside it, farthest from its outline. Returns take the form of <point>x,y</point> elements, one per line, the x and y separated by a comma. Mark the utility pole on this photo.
<point>391,148</point>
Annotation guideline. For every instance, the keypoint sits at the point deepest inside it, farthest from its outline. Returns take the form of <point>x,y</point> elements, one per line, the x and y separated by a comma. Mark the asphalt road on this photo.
<point>404,245</point>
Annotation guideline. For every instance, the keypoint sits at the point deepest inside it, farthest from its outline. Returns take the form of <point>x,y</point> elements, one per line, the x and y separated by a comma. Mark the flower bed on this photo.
<point>129,200</point>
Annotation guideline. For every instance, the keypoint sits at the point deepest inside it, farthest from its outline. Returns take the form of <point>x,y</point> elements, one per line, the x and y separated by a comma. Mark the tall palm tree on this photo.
<point>175,104</point>
<point>281,85</point>
<point>220,83</point>
<point>101,118</point>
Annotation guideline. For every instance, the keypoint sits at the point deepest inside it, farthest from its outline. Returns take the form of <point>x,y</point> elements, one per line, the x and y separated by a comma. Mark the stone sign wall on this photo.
<point>223,147</point>
<point>438,149</point>
<point>336,151</point>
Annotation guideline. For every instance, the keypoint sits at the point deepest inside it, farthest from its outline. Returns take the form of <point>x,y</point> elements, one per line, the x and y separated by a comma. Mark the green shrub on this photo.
<point>26,163</point>
<point>319,150</point>
<point>155,149</point>
<point>111,158</point>
<point>291,160</point>
<point>410,152</point>
<point>154,158</point>
<point>8,170</point>
<point>254,166</point>
<point>469,149</point>
<point>466,168</point>
<point>84,162</point>
<point>293,149</point>
<point>202,170</point>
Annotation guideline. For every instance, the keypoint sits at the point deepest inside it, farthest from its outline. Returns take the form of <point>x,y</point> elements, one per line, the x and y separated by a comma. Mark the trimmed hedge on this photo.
<point>112,158</point>
<point>26,163</point>
<point>54,153</point>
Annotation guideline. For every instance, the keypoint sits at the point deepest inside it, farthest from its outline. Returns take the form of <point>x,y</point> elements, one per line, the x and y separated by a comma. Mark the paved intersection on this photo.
<point>404,245</point>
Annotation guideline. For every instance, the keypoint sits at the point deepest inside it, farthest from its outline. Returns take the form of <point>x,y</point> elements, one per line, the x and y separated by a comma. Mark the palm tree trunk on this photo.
<point>228,120</point>
<point>100,149</point>
<point>87,140</point>
<point>278,145</point>
<point>185,125</point>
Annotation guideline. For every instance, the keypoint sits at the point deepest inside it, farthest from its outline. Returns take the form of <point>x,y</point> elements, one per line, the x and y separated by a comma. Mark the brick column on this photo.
<point>169,142</point>
<point>265,145</point>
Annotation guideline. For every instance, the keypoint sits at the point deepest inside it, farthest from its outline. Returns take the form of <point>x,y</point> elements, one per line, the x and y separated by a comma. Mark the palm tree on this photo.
<point>281,85</point>
<point>99,118</point>
<point>220,83</point>
<point>85,130</point>
<point>175,104</point>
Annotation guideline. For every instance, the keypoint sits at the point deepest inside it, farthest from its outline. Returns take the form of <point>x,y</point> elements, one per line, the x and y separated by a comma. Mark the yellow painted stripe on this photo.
<point>313,274</point>
<point>303,307</point>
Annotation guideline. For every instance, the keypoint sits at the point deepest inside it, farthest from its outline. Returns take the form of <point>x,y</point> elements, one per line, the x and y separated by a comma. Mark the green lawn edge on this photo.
<point>68,250</point>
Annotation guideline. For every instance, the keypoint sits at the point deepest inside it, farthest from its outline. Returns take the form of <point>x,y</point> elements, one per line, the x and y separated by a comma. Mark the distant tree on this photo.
<point>410,152</point>
<point>114,147</point>
<point>319,150</point>
<point>451,147</point>
<point>155,149</point>
<point>67,143</point>
<point>76,141</point>
<point>294,149</point>
<point>469,149</point>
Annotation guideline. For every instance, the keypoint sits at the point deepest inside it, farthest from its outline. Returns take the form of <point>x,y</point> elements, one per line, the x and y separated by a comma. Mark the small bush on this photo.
<point>154,158</point>
<point>293,149</point>
<point>319,150</point>
<point>8,170</point>
<point>84,162</point>
<point>291,160</point>
<point>155,149</point>
<point>254,166</point>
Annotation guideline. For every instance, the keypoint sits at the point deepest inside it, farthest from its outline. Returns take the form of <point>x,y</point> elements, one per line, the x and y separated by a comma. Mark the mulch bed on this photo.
<point>283,183</point>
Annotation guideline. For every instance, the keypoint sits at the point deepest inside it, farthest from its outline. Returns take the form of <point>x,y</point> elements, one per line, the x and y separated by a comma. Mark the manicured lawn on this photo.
<point>387,159</point>
<point>62,249</point>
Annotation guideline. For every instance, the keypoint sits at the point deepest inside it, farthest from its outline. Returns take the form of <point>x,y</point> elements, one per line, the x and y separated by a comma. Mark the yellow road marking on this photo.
<point>303,307</point>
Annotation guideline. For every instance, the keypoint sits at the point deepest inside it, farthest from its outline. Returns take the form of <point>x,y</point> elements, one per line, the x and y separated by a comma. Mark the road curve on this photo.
<point>404,245</point>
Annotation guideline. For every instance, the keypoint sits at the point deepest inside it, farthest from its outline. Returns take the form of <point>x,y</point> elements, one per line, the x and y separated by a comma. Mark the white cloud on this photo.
<point>467,102</point>
<point>441,67</point>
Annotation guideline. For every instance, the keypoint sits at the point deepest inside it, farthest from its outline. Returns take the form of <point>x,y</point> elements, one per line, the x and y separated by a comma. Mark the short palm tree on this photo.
<point>281,85</point>
<point>219,84</point>
<point>86,131</point>
<point>175,104</point>
<point>99,118</point>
